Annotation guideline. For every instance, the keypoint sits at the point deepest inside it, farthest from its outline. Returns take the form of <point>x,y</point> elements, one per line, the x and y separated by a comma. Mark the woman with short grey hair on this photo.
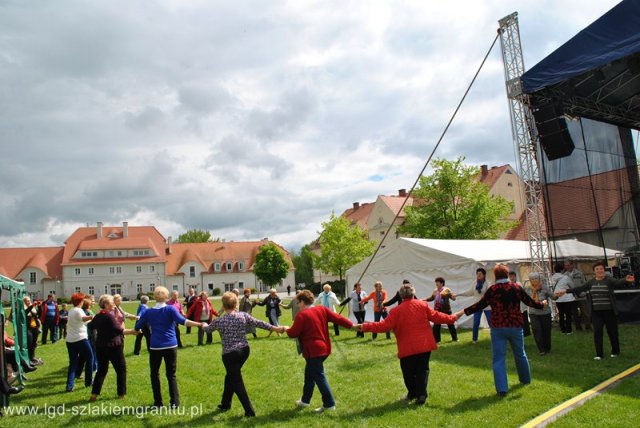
<point>540,318</point>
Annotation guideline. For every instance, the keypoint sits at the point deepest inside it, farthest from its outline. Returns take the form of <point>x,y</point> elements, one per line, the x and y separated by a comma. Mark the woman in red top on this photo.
<point>310,327</point>
<point>202,311</point>
<point>410,323</point>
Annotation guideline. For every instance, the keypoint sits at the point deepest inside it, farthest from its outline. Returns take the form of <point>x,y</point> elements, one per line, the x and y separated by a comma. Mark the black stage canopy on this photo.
<point>596,74</point>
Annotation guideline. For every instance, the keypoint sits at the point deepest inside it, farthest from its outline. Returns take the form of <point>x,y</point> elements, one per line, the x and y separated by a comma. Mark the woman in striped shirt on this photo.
<point>603,307</point>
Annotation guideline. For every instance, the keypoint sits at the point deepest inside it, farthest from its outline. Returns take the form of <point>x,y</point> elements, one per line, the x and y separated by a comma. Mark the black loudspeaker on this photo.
<point>554,136</point>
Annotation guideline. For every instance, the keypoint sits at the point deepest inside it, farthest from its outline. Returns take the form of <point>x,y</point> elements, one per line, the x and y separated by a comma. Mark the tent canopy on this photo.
<point>596,74</point>
<point>422,260</point>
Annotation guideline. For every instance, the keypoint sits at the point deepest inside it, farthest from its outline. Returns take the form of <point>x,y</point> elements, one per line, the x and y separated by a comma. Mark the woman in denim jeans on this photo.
<point>311,329</point>
<point>506,326</point>
<point>78,342</point>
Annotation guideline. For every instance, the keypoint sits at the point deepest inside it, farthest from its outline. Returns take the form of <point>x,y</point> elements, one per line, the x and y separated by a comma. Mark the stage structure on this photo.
<point>572,116</point>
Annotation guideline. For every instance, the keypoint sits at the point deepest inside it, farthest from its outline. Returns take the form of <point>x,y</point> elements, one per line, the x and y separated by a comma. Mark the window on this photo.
<point>139,269</point>
<point>228,287</point>
<point>112,270</point>
<point>210,285</point>
<point>241,285</point>
<point>138,288</point>
<point>192,271</point>
<point>152,287</point>
<point>119,253</point>
<point>94,254</point>
<point>77,289</point>
<point>118,269</point>
<point>216,267</point>
<point>90,271</point>
<point>106,289</point>
<point>175,287</point>
<point>146,252</point>
<point>507,172</point>
<point>382,233</point>
<point>92,289</point>
<point>32,277</point>
<point>152,268</point>
<point>509,184</point>
<point>112,253</point>
<point>76,271</point>
<point>241,266</point>
<point>229,266</point>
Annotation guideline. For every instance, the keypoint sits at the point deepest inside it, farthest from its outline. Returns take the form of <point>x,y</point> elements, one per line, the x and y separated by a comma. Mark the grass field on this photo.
<point>365,378</point>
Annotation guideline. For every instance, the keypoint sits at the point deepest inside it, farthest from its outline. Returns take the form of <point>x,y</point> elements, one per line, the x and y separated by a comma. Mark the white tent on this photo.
<point>422,260</point>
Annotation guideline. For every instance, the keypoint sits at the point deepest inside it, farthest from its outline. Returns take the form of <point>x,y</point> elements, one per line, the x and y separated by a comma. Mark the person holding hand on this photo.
<point>504,297</point>
<point>235,349</point>
<point>602,300</point>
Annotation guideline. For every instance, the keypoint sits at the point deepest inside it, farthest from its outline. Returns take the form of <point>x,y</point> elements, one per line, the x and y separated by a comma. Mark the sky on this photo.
<point>249,119</point>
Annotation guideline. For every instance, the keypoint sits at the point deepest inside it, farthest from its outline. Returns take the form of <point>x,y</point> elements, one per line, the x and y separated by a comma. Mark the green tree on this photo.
<point>303,263</point>
<point>342,245</point>
<point>195,235</point>
<point>270,266</point>
<point>453,204</point>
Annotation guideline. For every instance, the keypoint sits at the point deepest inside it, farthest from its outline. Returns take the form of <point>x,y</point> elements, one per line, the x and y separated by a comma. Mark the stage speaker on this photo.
<point>554,136</point>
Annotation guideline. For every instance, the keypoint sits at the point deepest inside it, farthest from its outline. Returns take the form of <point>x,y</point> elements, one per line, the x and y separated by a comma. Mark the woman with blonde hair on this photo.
<point>235,350</point>
<point>109,346</point>
<point>161,321</point>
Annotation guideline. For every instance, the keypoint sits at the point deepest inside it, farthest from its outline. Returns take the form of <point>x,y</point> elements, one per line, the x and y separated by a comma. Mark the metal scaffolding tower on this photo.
<point>525,138</point>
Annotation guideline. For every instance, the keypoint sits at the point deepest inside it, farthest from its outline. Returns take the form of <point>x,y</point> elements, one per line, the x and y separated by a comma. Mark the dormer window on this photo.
<point>241,266</point>
<point>113,235</point>
<point>216,267</point>
<point>229,266</point>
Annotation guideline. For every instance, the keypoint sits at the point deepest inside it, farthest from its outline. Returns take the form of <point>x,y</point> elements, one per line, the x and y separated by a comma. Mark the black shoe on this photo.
<point>223,408</point>
<point>421,400</point>
<point>502,394</point>
<point>249,415</point>
<point>29,368</point>
<point>14,389</point>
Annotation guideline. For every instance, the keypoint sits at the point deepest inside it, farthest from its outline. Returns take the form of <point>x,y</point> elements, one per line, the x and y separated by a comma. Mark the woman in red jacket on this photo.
<point>310,327</point>
<point>410,323</point>
<point>202,311</point>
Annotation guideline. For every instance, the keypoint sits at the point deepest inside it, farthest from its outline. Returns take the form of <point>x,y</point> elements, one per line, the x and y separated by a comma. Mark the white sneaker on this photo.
<point>597,358</point>
<point>301,404</point>
<point>325,409</point>
<point>615,355</point>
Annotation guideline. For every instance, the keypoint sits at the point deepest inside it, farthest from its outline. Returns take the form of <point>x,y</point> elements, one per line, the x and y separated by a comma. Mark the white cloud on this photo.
<point>247,119</point>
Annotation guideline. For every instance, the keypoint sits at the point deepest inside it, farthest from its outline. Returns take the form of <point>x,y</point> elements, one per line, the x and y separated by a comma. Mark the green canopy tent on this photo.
<point>17,291</point>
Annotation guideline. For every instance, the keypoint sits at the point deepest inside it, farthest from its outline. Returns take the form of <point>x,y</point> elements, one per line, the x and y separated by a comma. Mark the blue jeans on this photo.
<point>377,316</point>
<point>314,375</point>
<point>76,349</point>
<point>477,316</point>
<point>499,339</point>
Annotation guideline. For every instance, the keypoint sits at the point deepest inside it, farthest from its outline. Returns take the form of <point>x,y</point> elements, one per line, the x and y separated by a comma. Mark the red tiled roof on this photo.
<point>15,260</point>
<point>85,238</point>
<point>359,216</point>
<point>208,253</point>
<point>492,175</point>
<point>395,202</point>
<point>518,233</point>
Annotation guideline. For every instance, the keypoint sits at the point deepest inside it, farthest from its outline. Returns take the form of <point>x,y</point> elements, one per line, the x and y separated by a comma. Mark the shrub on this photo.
<point>216,292</point>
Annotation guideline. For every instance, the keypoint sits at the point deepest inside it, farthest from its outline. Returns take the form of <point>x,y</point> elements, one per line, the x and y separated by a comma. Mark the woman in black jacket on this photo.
<point>272,302</point>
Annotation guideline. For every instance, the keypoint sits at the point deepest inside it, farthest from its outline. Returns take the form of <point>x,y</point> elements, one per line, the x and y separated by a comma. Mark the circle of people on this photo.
<point>508,308</point>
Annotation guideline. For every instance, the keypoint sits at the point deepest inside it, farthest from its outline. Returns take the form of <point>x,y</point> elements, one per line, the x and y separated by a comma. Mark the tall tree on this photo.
<point>342,245</point>
<point>454,204</point>
<point>194,235</point>
<point>270,266</point>
<point>303,263</point>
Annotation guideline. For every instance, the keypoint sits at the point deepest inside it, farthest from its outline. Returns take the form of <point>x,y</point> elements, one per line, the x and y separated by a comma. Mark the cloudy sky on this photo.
<point>249,119</point>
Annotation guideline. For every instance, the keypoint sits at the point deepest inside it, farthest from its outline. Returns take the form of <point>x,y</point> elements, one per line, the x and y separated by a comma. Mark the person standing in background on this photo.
<point>477,291</point>
<point>441,297</point>
<point>246,305</point>
<point>379,296</point>
<point>329,300</point>
<point>189,300</point>
<point>526,328</point>
<point>581,310</point>
<point>357,307</point>
<point>63,317</point>
<point>142,308</point>
<point>49,317</point>
<point>565,303</point>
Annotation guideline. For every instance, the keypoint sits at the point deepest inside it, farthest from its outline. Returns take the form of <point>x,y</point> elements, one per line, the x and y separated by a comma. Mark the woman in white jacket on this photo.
<point>329,300</point>
<point>566,303</point>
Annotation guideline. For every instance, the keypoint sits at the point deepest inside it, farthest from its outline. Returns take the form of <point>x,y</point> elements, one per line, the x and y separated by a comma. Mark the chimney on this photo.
<point>169,241</point>
<point>402,192</point>
<point>125,229</point>
<point>99,230</point>
<point>483,170</point>
<point>356,205</point>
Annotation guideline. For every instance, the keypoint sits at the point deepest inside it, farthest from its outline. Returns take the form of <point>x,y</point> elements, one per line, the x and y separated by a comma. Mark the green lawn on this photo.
<point>365,378</point>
